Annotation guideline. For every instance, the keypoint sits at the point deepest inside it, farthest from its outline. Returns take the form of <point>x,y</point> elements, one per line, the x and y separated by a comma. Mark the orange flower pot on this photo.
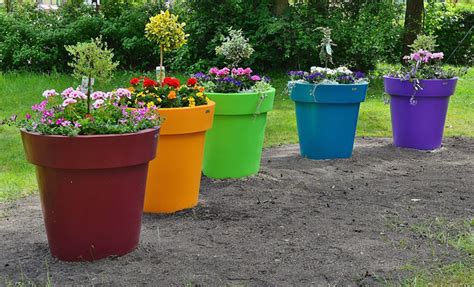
<point>174,176</point>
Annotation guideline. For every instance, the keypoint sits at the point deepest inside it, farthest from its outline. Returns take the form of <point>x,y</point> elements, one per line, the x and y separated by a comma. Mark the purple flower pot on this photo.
<point>418,122</point>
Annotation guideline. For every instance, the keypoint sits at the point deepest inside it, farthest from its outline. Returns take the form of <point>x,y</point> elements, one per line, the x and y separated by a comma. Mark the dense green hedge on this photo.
<point>365,31</point>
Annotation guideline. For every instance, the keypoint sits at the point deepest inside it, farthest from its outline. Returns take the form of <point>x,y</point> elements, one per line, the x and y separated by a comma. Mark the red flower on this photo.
<point>172,82</point>
<point>191,82</point>
<point>149,83</point>
<point>135,81</point>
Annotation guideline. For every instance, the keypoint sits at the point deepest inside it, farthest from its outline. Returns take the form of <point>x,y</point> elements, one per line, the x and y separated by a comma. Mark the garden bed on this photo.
<point>298,222</point>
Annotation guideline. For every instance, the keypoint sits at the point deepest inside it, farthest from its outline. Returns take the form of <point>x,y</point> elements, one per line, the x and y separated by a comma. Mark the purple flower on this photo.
<point>77,125</point>
<point>40,107</point>
<point>201,76</point>
<point>314,77</point>
<point>359,75</point>
<point>28,116</point>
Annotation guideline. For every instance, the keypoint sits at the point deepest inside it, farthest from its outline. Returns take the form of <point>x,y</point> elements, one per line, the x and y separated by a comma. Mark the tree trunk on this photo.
<point>279,7</point>
<point>413,23</point>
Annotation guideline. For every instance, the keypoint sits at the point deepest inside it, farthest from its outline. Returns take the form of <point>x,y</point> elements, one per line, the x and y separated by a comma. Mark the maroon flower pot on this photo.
<point>92,190</point>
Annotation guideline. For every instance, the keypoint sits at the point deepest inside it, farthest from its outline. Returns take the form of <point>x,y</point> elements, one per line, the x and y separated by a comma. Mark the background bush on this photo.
<point>366,32</point>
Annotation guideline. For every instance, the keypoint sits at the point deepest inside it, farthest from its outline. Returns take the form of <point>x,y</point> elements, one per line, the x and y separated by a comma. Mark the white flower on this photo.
<point>330,72</point>
<point>49,93</point>
<point>344,70</point>
<point>315,69</point>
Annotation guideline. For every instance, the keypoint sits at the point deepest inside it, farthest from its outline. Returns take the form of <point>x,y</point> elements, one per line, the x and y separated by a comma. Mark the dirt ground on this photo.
<point>298,222</point>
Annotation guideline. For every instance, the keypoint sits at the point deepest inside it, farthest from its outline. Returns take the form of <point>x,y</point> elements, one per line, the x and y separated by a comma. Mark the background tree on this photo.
<point>413,23</point>
<point>279,7</point>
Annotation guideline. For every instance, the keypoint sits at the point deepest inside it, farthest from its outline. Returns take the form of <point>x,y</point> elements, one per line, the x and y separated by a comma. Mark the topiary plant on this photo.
<point>424,42</point>
<point>165,30</point>
<point>235,47</point>
<point>92,60</point>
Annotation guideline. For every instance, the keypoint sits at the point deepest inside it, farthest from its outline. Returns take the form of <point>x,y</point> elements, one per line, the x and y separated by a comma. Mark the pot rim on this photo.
<point>243,93</point>
<point>329,85</point>
<point>399,79</point>
<point>93,136</point>
<point>210,104</point>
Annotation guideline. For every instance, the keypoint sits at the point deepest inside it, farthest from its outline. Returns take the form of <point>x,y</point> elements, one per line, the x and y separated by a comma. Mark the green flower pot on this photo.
<point>234,144</point>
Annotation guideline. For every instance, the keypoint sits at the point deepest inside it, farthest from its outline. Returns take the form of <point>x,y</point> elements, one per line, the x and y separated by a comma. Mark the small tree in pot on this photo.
<point>243,98</point>
<point>91,156</point>
<point>327,105</point>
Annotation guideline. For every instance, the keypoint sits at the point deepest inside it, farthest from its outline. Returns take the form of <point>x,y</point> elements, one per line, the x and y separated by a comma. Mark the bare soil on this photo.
<point>298,222</point>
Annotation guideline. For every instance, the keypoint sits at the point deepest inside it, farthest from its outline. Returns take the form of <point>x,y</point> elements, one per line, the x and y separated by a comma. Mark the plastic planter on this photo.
<point>326,116</point>
<point>418,117</point>
<point>234,144</point>
<point>92,190</point>
<point>174,176</point>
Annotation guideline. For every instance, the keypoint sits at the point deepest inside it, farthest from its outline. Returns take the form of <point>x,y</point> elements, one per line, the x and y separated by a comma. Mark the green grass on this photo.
<point>459,235</point>
<point>18,91</point>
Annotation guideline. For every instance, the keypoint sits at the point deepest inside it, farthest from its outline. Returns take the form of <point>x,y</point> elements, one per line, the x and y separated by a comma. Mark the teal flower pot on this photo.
<point>326,116</point>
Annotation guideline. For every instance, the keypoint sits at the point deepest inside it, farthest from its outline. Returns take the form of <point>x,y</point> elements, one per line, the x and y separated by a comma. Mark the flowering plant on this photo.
<point>68,114</point>
<point>319,75</point>
<point>170,94</point>
<point>228,80</point>
<point>424,64</point>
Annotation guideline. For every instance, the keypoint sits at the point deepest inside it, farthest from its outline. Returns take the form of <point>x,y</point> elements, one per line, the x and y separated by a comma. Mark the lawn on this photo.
<point>18,91</point>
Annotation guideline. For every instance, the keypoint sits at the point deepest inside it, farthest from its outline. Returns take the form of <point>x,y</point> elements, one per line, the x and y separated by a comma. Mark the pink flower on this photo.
<point>77,94</point>
<point>67,92</point>
<point>223,72</point>
<point>77,125</point>
<point>248,71</point>
<point>121,93</point>
<point>98,95</point>
<point>28,116</point>
<point>439,55</point>
<point>98,103</point>
<point>49,93</point>
<point>68,102</point>
<point>40,107</point>
<point>213,70</point>
<point>66,123</point>
<point>255,78</point>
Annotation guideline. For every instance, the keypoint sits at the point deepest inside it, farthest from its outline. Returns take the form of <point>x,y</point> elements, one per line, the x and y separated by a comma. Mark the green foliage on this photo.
<point>325,55</point>
<point>424,42</point>
<point>165,30</point>
<point>366,32</point>
<point>92,59</point>
<point>234,48</point>
<point>450,25</point>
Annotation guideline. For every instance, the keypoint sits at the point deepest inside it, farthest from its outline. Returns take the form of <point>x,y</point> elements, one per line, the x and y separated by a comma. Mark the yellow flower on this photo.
<point>150,104</point>
<point>131,89</point>
<point>207,100</point>
<point>200,94</point>
<point>141,94</point>
<point>192,103</point>
<point>172,95</point>
<point>158,99</point>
